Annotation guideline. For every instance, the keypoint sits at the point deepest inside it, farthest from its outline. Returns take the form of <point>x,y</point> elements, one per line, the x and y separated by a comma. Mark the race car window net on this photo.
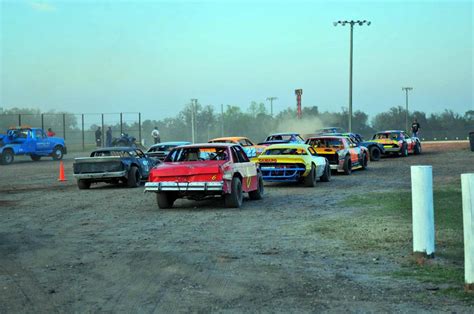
<point>197,154</point>
<point>388,136</point>
<point>285,151</point>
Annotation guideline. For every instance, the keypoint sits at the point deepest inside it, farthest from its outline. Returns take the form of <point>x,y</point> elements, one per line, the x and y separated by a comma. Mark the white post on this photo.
<point>422,210</point>
<point>467,183</point>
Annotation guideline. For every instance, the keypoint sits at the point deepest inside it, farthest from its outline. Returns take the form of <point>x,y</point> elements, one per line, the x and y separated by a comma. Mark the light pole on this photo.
<point>271,99</point>
<point>193,101</point>
<point>406,89</point>
<point>351,23</point>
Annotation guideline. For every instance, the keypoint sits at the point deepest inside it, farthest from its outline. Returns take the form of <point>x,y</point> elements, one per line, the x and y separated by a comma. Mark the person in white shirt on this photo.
<point>156,135</point>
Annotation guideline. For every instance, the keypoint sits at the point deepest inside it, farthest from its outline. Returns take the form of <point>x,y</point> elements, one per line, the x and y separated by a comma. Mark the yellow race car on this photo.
<point>293,163</point>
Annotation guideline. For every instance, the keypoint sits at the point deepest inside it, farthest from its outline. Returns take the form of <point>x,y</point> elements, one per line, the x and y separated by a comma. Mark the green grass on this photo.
<point>383,225</point>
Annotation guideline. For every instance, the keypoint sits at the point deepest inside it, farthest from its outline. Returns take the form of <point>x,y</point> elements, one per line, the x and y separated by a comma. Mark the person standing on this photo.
<point>156,135</point>
<point>50,133</point>
<point>415,127</point>
<point>98,137</point>
<point>108,137</point>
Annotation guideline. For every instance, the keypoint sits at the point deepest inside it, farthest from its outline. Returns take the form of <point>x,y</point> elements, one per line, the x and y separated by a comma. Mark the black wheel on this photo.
<point>258,193</point>
<point>310,179</point>
<point>133,179</point>
<point>83,184</point>
<point>165,200</point>
<point>365,161</point>
<point>417,150</point>
<point>7,157</point>
<point>35,157</point>
<point>326,177</point>
<point>375,153</point>
<point>57,153</point>
<point>236,197</point>
<point>404,151</point>
<point>347,165</point>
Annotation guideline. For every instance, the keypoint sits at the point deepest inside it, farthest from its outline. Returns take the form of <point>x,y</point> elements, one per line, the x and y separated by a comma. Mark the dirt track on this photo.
<point>111,249</point>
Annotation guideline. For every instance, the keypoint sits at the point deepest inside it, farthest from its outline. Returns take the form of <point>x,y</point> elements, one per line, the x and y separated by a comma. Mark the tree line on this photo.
<point>256,122</point>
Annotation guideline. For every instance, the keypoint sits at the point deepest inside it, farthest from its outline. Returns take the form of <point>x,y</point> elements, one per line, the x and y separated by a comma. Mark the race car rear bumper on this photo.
<point>273,174</point>
<point>212,186</point>
<point>101,175</point>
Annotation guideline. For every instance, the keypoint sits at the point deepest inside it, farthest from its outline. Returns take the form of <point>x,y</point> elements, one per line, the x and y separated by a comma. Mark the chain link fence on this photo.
<point>78,130</point>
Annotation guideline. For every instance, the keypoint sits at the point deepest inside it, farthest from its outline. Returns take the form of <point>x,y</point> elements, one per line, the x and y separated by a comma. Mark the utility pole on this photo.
<point>271,99</point>
<point>406,89</point>
<point>351,23</point>
<point>222,120</point>
<point>193,102</point>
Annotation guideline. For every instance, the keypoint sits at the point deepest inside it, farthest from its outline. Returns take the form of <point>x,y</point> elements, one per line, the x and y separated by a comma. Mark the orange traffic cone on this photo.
<point>62,177</point>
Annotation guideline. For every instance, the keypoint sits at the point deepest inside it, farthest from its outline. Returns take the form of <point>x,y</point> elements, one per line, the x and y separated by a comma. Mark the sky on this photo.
<point>154,56</point>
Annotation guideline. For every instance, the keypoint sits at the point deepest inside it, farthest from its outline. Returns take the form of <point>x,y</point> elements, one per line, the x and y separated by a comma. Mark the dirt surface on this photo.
<point>111,249</point>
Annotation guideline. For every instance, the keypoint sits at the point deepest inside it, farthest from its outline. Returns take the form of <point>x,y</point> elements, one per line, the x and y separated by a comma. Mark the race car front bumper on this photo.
<point>101,175</point>
<point>212,186</point>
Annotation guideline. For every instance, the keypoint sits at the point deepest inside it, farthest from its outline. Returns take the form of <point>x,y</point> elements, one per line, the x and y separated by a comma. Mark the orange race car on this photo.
<point>250,148</point>
<point>343,155</point>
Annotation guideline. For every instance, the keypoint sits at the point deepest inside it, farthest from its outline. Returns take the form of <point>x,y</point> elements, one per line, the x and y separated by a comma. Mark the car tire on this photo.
<point>326,177</point>
<point>165,200</point>
<point>375,153</point>
<point>57,153</point>
<point>35,157</point>
<point>310,179</point>
<point>258,193</point>
<point>133,178</point>
<point>7,157</point>
<point>235,198</point>
<point>364,161</point>
<point>83,184</point>
<point>347,165</point>
<point>417,149</point>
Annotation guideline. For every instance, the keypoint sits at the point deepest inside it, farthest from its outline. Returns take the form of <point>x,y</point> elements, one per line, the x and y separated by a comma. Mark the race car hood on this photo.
<point>188,168</point>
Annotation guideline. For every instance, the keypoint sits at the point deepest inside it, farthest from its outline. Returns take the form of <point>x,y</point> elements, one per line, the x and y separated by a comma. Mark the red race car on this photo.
<point>202,171</point>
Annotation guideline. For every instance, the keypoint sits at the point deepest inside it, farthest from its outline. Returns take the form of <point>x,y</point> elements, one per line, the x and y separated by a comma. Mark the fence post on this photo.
<point>64,126</point>
<point>139,127</point>
<point>422,211</point>
<point>19,120</point>
<point>42,121</point>
<point>121,124</point>
<point>467,183</point>
<point>83,138</point>
<point>102,133</point>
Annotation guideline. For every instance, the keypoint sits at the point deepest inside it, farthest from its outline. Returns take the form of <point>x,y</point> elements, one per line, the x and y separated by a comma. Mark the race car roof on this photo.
<point>177,143</point>
<point>288,145</point>
<point>205,145</point>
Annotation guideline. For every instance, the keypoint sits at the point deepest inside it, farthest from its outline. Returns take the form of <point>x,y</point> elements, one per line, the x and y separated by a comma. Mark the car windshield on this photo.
<point>285,151</point>
<point>187,154</point>
<point>326,142</point>
<point>161,148</point>
<point>389,136</point>
<point>114,153</point>
<point>285,137</point>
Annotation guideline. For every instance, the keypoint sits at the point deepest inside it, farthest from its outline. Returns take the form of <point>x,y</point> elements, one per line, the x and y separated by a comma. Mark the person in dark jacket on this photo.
<point>415,127</point>
<point>108,137</point>
<point>98,137</point>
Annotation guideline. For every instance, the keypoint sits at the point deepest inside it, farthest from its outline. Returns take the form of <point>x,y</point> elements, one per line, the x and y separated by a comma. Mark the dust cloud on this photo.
<point>304,126</point>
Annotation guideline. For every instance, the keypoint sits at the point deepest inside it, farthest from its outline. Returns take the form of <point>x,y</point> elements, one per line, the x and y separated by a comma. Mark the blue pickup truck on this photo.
<point>30,141</point>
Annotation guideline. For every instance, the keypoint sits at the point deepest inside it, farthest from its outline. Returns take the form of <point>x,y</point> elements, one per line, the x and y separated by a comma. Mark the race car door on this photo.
<point>248,169</point>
